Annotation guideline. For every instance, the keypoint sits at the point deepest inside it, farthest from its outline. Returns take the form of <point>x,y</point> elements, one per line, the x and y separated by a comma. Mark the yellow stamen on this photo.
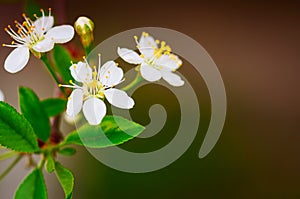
<point>145,34</point>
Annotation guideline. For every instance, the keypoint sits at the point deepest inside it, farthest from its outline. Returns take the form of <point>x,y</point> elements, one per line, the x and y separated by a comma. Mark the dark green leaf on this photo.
<point>66,179</point>
<point>113,130</point>
<point>33,110</point>
<point>32,7</point>
<point>50,164</point>
<point>54,106</point>
<point>16,132</point>
<point>68,151</point>
<point>32,187</point>
<point>63,62</point>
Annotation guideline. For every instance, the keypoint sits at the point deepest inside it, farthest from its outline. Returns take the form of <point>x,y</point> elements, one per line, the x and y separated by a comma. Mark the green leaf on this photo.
<point>63,60</point>
<point>68,151</point>
<point>50,164</point>
<point>32,187</point>
<point>113,130</point>
<point>54,106</point>
<point>32,7</point>
<point>33,110</point>
<point>66,179</point>
<point>16,132</point>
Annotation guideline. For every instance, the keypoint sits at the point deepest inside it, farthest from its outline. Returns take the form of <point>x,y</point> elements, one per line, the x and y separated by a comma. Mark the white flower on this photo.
<point>37,37</point>
<point>95,86</point>
<point>156,62</point>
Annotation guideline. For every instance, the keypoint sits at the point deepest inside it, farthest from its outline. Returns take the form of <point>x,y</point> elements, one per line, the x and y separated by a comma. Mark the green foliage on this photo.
<point>16,132</point>
<point>32,187</point>
<point>54,106</point>
<point>32,7</point>
<point>68,151</point>
<point>50,164</point>
<point>63,60</point>
<point>34,112</point>
<point>66,179</point>
<point>113,130</point>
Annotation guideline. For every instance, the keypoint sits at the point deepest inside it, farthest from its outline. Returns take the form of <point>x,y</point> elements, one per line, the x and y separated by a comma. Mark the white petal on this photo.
<point>147,45</point>
<point>43,24</point>
<point>94,110</point>
<point>119,98</point>
<point>44,46</point>
<point>17,59</point>
<point>74,104</point>
<point>146,41</point>
<point>110,74</point>
<point>61,34</point>
<point>168,62</point>
<point>81,72</point>
<point>1,96</point>
<point>129,56</point>
<point>149,73</point>
<point>172,79</point>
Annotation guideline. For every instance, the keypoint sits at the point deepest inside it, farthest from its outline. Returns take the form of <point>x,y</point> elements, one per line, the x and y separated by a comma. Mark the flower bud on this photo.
<point>84,28</point>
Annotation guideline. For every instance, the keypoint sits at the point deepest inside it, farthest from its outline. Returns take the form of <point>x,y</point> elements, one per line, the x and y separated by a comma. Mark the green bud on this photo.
<point>84,25</point>
<point>84,28</point>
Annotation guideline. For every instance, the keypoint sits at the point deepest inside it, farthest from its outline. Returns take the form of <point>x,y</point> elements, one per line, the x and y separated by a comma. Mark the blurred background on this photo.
<point>256,47</point>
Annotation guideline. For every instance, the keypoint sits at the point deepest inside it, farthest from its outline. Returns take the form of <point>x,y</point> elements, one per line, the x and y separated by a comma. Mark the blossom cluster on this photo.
<point>93,84</point>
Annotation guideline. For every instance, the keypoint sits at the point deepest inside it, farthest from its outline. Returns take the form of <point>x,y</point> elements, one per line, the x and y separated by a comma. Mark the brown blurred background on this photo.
<point>256,47</point>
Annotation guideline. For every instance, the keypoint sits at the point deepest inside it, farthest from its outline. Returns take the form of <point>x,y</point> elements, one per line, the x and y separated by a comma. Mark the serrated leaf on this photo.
<point>68,151</point>
<point>54,106</point>
<point>63,60</point>
<point>16,132</point>
<point>32,187</point>
<point>50,164</point>
<point>34,112</point>
<point>66,179</point>
<point>113,130</point>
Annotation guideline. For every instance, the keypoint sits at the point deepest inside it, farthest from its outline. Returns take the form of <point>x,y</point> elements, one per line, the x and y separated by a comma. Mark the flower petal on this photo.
<point>110,74</point>
<point>74,104</point>
<point>43,24</point>
<point>172,79</point>
<point>81,72</point>
<point>146,41</point>
<point>94,110</point>
<point>17,59</point>
<point>1,96</point>
<point>168,62</point>
<point>149,73</point>
<point>61,34</point>
<point>129,56</point>
<point>44,46</point>
<point>147,45</point>
<point>118,98</point>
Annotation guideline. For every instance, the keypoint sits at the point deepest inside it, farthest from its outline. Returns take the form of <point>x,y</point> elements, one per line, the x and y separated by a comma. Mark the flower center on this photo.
<point>95,87</point>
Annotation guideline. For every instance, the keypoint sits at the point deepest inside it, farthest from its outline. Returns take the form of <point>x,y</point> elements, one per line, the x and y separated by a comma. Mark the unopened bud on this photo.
<point>84,28</point>
<point>84,25</point>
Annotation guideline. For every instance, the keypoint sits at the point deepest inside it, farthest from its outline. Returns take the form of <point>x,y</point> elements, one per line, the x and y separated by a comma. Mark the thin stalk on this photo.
<point>10,167</point>
<point>8,155</point>
<point>135,82</point>
<point>52,72</point>
<point>42,162</point>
